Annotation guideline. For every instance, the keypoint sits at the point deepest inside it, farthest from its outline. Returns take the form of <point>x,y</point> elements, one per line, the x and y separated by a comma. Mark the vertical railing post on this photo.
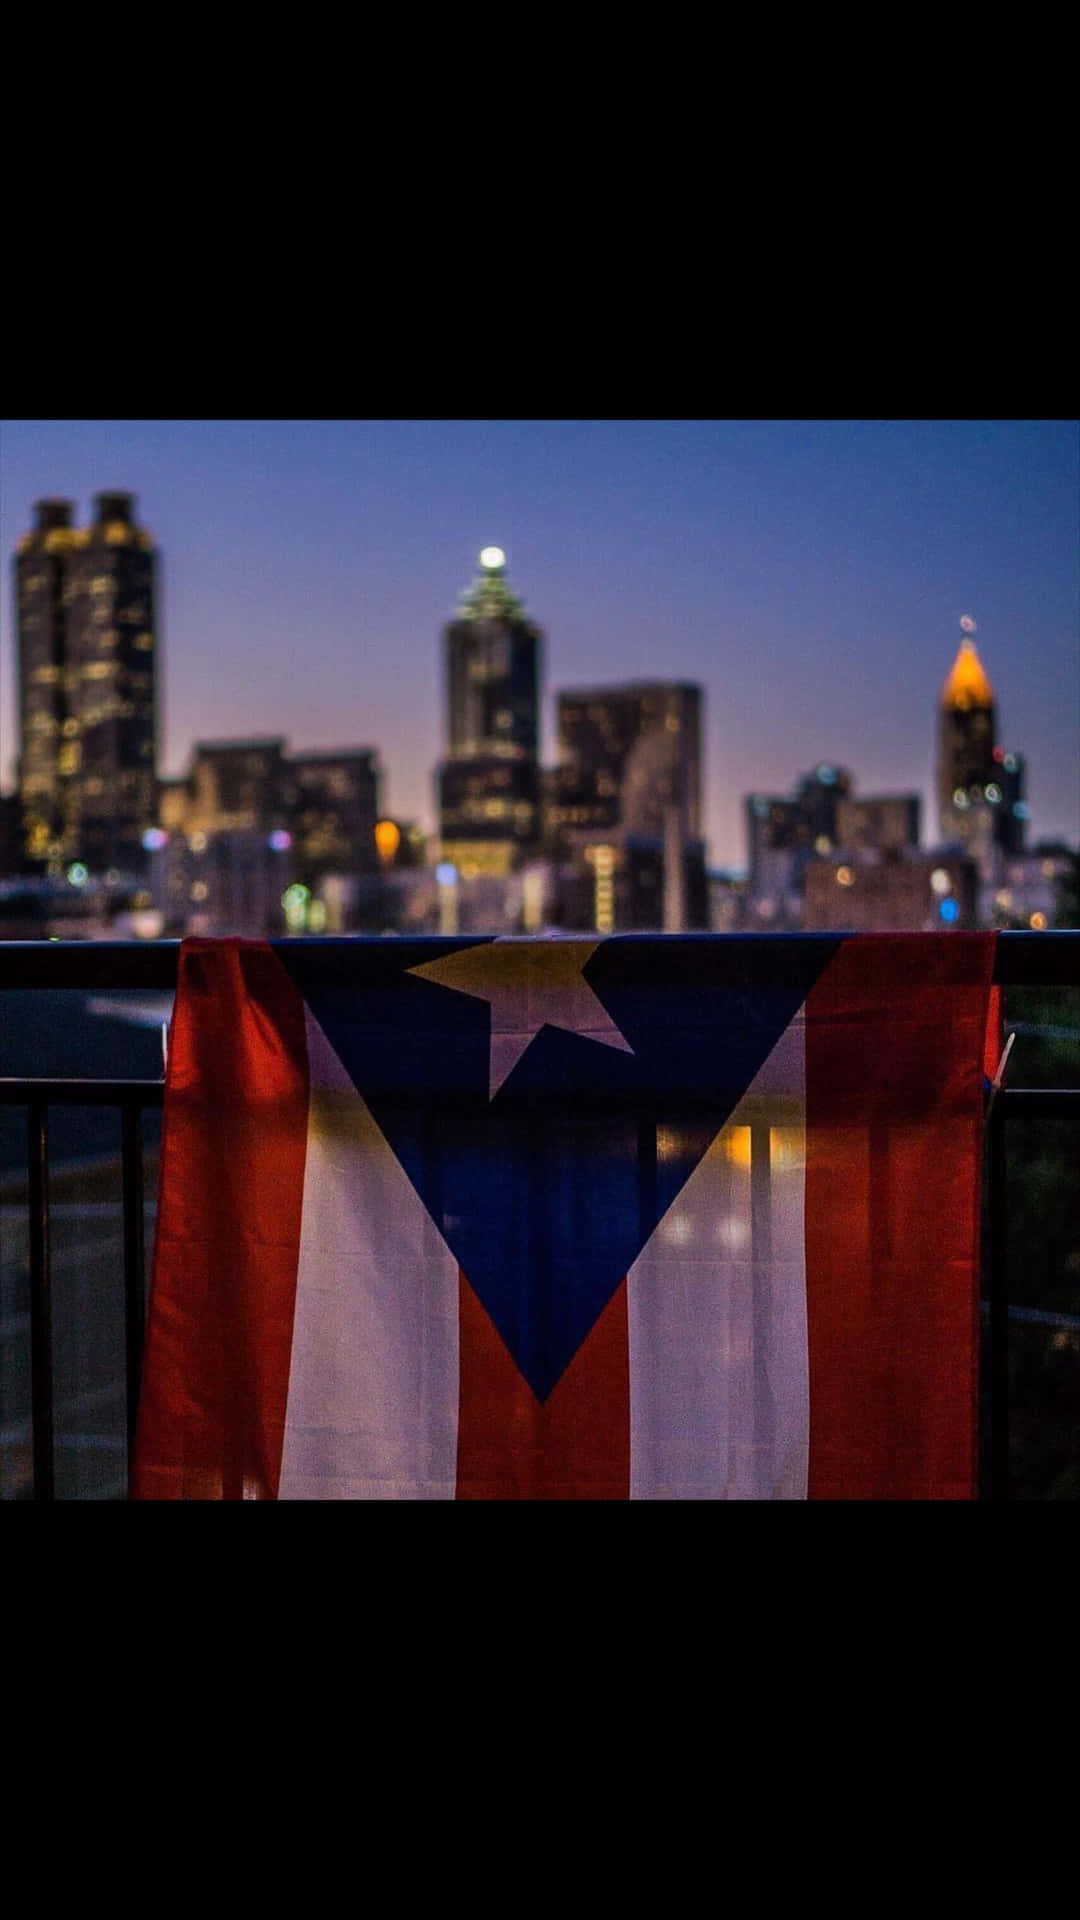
<point>134,1264</point>
<point>761,1268</point>
<point>41,1355</point>
<point>998,1224</point>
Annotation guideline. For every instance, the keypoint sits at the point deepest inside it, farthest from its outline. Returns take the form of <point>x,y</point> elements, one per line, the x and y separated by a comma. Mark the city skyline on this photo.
<point>811,576</point>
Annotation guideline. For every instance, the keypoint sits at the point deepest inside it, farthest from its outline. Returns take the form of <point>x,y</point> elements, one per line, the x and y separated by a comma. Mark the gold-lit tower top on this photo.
<point>967,685</point>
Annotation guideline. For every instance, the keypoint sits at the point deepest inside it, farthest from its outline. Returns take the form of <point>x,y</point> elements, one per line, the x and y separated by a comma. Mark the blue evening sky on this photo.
<point>810,574</point>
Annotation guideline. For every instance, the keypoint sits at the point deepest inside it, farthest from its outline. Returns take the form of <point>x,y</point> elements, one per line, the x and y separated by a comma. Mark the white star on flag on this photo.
<point>528,985</point>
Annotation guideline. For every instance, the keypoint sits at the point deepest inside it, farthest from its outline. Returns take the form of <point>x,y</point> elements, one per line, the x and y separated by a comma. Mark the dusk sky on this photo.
<point>811,575</point>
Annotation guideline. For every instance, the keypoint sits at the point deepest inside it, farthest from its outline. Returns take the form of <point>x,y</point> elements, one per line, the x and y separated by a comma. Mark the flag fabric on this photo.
<point>636,1217</point>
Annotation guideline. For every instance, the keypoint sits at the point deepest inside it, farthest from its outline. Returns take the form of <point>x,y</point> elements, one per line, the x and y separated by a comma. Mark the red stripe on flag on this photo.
<point>575,1445</point>
<point>895,1036</point>
<point>216,1369</point>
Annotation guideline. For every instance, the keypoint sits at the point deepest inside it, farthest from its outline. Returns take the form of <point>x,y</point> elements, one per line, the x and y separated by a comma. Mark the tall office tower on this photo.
<point>488,785</point>
<point>85,608</point>
<point>627,755</point>
<point>41,612</point>
<point>966,763</point>
<point>628,803</point>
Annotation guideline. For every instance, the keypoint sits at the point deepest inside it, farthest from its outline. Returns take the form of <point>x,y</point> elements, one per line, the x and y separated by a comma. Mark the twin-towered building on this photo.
<point>85,607</point>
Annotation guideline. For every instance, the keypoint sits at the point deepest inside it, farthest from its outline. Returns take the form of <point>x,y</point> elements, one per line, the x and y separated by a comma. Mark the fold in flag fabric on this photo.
<point>646,1218</point>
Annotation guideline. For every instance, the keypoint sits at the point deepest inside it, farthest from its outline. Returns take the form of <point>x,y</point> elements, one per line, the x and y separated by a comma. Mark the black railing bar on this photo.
<point>1044,1102</point>
<point>1044,1032</point>
<point>134,1264</point>
<point>1049,958</point>
<point>998,1291</point>
<point>82,1093</point>
<point>1036,1317</point>
<point>41,1370</point>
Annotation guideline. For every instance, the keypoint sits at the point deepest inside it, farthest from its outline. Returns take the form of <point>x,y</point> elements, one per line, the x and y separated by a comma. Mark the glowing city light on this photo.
<point>960,798</point>
<point>940,881</point>
<point>446,873</point>
<point>993,794</point>
<point>948,910</point>
<point>77,874</point>
<point>492,558</point>
<point>387,839</point>
<point>845,877</point>
<point>154,839</point>
<point>280,841</point>
<point>968,623</point>
<point>294,902</point>
<point>1038,921</point>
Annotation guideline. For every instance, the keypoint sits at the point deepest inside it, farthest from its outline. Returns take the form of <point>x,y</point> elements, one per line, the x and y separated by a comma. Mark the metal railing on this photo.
<point>1046,959</point>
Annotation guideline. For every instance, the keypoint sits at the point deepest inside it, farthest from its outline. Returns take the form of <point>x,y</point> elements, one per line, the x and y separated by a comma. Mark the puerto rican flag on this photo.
<point>646,1218</point>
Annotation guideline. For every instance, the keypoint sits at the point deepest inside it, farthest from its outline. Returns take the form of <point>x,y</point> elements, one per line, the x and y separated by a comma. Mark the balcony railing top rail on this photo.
<point>1046,959</point>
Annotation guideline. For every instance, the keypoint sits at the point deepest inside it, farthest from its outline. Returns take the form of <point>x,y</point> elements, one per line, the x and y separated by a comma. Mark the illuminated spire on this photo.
<point>967,685</point>
<point>489,597</point>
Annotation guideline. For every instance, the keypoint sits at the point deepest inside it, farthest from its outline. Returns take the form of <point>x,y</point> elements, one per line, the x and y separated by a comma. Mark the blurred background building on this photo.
<point>623,808</point>
<point>981,784</point>
<point>822,820</point>
<point>489,783</point>
<point>86,646</point>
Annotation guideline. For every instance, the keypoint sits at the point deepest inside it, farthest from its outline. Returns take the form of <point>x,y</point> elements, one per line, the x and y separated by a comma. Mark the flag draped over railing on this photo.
<point>683,1218</point>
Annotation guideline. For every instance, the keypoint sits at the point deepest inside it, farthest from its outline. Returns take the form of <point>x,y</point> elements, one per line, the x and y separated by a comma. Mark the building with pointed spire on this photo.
<point>488,784</point>
<point>967,731</point>
<point>981,801</point>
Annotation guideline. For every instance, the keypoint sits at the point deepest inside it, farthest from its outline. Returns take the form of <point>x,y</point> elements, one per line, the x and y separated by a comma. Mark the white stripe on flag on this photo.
<point>716,1301</point>
<point>373,1387</point>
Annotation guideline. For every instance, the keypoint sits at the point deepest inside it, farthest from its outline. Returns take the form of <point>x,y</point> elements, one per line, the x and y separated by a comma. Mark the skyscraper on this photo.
<point>981,802</point>
<point>967,730</point>
<point>625,814</point>
<point>627,754</point>
<point>488,785</point>
<point>87,646</point>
